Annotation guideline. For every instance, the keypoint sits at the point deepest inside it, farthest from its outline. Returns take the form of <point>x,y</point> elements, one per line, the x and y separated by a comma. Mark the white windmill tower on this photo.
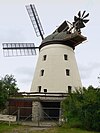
<point>56,69</point>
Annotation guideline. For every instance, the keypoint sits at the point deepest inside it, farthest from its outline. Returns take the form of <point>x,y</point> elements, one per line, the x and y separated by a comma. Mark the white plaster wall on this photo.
<point>54,78</point>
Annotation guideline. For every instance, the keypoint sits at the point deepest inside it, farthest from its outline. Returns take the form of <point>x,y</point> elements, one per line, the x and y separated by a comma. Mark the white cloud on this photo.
<point>86,71</point>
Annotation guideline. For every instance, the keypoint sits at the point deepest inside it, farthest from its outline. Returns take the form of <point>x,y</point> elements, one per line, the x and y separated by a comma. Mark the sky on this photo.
<point>15,26</point>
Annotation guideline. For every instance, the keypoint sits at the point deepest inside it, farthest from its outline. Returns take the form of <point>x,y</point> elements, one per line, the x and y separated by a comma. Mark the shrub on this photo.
<point>82,108</point>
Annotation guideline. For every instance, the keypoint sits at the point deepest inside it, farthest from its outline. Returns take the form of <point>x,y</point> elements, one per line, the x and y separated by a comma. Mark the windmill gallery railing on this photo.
<point>40,94</point>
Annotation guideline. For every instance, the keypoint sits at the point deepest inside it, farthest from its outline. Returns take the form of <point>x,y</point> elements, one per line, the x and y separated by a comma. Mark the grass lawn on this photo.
<point>5,128</point>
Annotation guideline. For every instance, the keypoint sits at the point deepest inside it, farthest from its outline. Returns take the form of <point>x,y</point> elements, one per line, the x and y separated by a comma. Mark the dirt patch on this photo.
<point>27,129</point>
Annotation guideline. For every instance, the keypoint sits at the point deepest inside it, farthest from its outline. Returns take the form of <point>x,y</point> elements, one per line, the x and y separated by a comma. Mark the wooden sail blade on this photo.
<point>35,20</point>
<point>19,49</point>
<point>63,27</point>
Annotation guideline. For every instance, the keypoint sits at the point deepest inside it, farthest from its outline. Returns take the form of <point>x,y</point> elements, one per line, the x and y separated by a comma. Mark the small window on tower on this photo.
<point>67,72</point>
<point>45,90</point>
<point>69,89</point>
<point>65,57</point>
<point>44,57</point>
<point>42,72</point>
<point>39,88</point>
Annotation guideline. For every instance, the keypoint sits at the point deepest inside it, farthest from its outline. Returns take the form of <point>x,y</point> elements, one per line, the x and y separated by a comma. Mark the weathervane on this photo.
<point>79,22</point>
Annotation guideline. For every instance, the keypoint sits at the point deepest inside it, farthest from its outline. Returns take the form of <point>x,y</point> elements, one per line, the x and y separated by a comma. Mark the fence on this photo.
<point>49,117</point>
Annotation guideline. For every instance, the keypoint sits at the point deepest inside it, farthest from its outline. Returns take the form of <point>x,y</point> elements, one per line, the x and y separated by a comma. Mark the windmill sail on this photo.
<point>63,27</point>
<point>19,49</point>
<point>35,20</point>
<point>25,49</point>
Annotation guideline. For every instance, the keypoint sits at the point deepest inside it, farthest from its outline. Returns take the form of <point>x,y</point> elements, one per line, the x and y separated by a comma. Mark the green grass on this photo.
<point>5,128</point>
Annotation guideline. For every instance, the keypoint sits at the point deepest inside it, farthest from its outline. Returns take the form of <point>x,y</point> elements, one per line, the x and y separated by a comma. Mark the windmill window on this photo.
<point>65,57</point>
<point>69,89</point>
<point>45,90</point>
<point>42,72</point>
<point>39,88</point>
<point>44,57</point>
<point>67,72</point>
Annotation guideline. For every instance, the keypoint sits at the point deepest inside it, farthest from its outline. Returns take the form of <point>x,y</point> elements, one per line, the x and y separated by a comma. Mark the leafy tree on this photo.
<point>3,95</point>
<point>84,106</point>
<point>8,87</point>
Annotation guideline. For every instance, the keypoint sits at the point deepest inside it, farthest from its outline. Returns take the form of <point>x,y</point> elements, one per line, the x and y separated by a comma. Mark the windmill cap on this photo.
<point>71,39</point>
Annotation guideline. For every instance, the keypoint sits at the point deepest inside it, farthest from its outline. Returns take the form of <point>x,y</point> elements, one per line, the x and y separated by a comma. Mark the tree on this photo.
<point>3,95</point>
<point>8,87</point>
<point>84,106</point>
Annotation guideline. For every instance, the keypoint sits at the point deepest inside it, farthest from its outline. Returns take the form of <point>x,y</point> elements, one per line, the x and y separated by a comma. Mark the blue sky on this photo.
<point>15,26</point>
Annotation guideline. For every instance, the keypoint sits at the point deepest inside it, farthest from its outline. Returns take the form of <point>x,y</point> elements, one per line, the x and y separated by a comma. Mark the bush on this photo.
<point>8,87</point>
<point>82,108</point>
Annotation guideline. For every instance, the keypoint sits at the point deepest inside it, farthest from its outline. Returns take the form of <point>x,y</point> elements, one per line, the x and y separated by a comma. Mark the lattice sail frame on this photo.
<point>35,20</point>
<point>25,49</point>
<point>19,49</point>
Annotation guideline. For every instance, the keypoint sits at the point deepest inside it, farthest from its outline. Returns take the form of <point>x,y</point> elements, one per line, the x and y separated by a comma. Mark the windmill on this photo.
<point>56,69</point>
